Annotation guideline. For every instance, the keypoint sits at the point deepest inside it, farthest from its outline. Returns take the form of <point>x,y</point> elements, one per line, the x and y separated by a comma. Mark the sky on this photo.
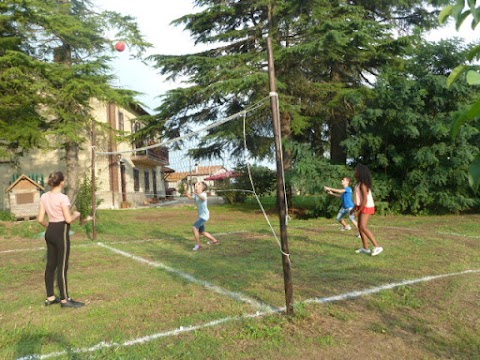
<point>154,18</point>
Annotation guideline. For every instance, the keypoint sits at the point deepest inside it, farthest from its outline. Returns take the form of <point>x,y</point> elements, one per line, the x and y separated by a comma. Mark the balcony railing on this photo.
<point>158,156</point>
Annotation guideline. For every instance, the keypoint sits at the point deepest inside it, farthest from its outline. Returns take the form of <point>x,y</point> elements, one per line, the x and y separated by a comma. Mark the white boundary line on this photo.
<point>391,228</point>
<point>181,329</point>
<point>113,243</point>
<point>355,294</point>
<point>457,234</point>
<point>239,232</point>
<point>22,250</point>
<point>234,295</point>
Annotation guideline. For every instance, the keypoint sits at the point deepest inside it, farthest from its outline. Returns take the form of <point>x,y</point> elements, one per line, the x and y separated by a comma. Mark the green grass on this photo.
<point>6,216</point>
<point>128,299</point>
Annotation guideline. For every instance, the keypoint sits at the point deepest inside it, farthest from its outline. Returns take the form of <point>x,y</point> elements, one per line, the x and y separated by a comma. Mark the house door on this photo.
<point>154,180</point>
<point>123,181</point>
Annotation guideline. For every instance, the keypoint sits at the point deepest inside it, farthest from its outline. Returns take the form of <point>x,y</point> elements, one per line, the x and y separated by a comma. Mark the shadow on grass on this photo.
<point>31,342</point>
<point>251,263</point>
<point>435,318</point>
<point>227,265</point>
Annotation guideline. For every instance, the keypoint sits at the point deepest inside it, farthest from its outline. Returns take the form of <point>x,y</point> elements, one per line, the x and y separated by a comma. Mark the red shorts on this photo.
<point>368,210</point>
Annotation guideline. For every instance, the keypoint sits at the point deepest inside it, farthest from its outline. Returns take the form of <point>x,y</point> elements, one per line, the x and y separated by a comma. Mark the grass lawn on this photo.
<point>149,296</point>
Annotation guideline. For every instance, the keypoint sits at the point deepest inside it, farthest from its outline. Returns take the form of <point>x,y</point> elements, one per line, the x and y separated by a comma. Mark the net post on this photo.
<point>287,273</point>
<point>94,183</point>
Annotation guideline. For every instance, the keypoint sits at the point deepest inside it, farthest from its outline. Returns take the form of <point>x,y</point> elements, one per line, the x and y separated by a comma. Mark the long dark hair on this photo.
<point>55,178</point>
<point>363,175</point>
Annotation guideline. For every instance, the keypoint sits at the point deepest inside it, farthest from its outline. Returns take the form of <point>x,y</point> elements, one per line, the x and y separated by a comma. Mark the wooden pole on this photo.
<point>94,183</point>
<point>281,200</point>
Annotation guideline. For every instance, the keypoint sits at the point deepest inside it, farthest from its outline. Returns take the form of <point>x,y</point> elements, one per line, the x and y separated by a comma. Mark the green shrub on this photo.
<point>83,202</point>
<point>182,189</point>
<point>231,193</point>
<point>325,206</point>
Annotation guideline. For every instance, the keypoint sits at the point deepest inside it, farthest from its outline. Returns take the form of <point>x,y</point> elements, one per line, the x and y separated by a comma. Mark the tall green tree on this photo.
<point>57,53</point>
<point>21,86</point>
<point>325,54</point>
<point>460,12</point>
<point>403,134</point>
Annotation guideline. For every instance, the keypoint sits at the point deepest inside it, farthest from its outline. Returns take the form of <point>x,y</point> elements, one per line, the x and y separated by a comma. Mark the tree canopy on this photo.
<point>403,133</point>
<point>355,81</point>
<point>326,53</point>
<point>54,58</point>
<point>460,13</point>
<point>355,84</point>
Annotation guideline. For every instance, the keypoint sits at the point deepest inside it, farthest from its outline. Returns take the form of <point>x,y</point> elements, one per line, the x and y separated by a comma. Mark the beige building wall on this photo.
<point>108,167</point>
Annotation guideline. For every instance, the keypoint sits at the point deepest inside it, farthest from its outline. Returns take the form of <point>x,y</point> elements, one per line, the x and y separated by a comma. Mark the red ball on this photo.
<point>120,46</point>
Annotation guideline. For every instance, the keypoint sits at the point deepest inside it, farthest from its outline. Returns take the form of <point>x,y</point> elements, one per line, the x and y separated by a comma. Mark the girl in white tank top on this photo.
<point>364,208</point>
<point>358,197</point>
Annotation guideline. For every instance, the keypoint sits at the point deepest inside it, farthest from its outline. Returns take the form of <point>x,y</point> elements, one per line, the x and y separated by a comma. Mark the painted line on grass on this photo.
<point>145,339</point>
<point>185,329</point>
<point>420,230</point>
<point>356,294</point>
<point>113,242</point>
<point>78,246</point>
<point>234,295</point>
<point>391,228</point>
<point>22,250</point>
<point>457,234</point>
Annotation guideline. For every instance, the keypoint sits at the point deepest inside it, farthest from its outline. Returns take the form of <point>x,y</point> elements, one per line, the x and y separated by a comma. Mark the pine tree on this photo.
<point>21,86</point>
<point>325,53</point>
<point>65,52</point>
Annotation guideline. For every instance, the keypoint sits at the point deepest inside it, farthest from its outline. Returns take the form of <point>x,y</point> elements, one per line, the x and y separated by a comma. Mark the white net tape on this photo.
<point>191,134</point>
<point>168,143</point>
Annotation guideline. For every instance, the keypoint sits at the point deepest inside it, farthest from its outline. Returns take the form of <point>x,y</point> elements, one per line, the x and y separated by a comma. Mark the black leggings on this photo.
<point>58,251</point>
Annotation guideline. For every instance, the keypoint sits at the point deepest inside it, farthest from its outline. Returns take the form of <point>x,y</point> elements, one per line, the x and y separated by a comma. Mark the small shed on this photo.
<point>24,197</point>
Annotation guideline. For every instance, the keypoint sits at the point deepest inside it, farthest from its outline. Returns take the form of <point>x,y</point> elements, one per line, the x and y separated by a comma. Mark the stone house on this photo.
<point>133,178</point>
<point>175,180</point>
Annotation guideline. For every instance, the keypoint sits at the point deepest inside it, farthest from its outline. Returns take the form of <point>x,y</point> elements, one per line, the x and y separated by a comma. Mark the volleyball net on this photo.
<point>192,157</point>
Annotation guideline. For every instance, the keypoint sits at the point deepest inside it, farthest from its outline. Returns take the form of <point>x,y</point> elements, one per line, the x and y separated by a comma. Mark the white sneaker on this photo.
<point>197,247</point>
<point>363,251</point>
<point>348,227</point>
<point>359,236</point>
<point>377,251</point>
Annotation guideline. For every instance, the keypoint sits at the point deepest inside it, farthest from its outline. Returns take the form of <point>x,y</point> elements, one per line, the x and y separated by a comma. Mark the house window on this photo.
<point>136,128</point>
<point>147,181</point>
<point>121,121</point>
<point>154,181</point>
<point>136,179</point>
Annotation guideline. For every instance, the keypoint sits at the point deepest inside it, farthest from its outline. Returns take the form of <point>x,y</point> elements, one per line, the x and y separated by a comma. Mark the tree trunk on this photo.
<point>63,55</point>
<point>71,160</point>
<point>338,133</point>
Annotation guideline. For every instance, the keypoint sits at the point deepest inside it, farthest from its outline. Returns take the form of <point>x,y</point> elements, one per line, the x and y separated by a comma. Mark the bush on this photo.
<point>264,179</point>
<point>182,189</point>
<point>325,206</point>
<point>382,208</point>
<point>231,194</point>
<point>83,202</point>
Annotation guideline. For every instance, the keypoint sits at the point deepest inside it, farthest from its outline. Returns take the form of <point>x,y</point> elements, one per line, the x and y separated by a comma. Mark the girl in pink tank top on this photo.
<point>56,206</point>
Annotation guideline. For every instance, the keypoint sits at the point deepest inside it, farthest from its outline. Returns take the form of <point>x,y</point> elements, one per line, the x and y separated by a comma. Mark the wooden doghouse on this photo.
<point>24,197</point>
